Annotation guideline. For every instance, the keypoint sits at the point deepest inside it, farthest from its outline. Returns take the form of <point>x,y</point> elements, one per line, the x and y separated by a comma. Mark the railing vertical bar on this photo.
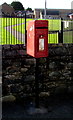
<point>52,37</point>
<point>25,31</point>
<point>18,30</point>
<point>21,31</point>
<point>9,31</point>
<point>17,26</point>
<point>1,30</point>
<point>6,30</point>
<point>56,37</point>
<point>14,31</point>
<point>48,37</point>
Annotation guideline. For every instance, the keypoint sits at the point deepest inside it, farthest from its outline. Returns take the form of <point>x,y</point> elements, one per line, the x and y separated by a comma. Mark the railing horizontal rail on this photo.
<point>51,32</point>
<point>67,30</point>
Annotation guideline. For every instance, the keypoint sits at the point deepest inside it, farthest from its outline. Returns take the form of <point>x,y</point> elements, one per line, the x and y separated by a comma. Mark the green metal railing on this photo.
<point>12,31</point>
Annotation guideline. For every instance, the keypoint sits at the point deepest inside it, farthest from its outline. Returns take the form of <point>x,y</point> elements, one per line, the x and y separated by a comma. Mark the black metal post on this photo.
<point>61,30</point>
<point>37,83</point>
<point>60,34</point>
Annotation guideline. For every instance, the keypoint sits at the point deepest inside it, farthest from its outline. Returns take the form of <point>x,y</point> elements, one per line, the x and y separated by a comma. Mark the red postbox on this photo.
<point>37,38</point>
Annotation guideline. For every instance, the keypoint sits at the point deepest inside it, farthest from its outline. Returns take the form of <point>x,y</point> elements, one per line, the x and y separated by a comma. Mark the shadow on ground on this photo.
<point>57,107</point>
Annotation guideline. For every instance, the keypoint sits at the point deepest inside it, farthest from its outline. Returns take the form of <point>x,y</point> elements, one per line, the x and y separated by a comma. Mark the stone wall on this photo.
<point>55,71</point>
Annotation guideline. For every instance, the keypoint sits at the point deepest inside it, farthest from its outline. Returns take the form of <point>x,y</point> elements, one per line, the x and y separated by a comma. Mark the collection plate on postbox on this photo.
<point>37,38</point>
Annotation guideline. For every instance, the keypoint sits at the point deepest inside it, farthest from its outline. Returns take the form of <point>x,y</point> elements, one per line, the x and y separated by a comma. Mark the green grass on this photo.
<point>7,38</point>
